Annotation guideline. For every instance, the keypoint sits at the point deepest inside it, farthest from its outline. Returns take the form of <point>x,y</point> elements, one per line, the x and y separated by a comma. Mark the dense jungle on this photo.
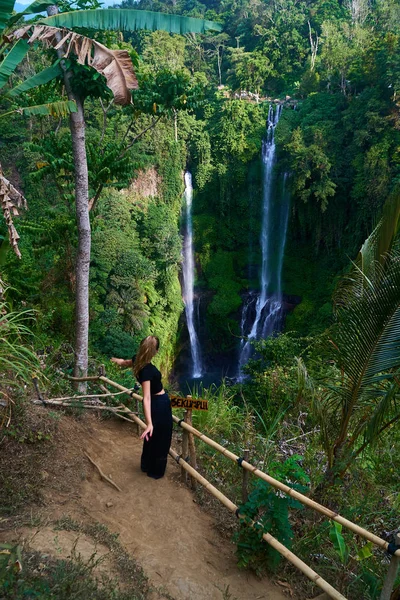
<point>225,176</point>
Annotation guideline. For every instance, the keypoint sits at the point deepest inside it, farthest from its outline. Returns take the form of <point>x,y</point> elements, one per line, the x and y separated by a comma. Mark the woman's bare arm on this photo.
<point>148,432</point>
<point>122,362</point>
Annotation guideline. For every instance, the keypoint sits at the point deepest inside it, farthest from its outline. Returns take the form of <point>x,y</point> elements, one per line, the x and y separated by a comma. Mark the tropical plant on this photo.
<point>360,403</point>
<point>270,511</point>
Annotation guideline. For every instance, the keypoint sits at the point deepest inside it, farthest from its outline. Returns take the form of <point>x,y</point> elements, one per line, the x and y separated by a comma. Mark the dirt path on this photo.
<point>157,521</point>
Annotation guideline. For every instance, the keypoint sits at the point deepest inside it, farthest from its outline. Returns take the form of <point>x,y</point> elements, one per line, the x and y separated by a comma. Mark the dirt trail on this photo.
<point>157,521</point>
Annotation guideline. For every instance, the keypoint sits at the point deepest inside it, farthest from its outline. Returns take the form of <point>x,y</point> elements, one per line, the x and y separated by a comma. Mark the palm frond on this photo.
<point>379,243</point>
<point>117,19</point>
<point>382,411</point>
<point>39,79</point>
<point>368,338</point>
<point>55,109</point>
<point>12,60</point>
<point>372,254</point>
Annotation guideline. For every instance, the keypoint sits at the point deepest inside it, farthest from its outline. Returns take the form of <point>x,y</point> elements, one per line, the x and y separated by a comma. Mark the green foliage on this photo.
<point>335,534</point>
<point>220,276</point>
<point>312,169</point>
<point>6,8</point>
<point>39,79</point>
<point>270,511</point>
<point>249,70</point>
<point>165,91</point>
<point>12,59</point>
<point>223,418</point>
<point>17,360</point>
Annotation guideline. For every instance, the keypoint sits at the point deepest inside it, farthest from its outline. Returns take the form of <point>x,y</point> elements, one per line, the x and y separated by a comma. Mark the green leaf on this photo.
<point>55,109</point>
<point>12,60</point>
<point>335,534</point>
<point>37,7</point>
<point>6,8</point>
<point>117,19</point>
<point>39,79</point>
<point>379,243</point>
<point>364,552</point>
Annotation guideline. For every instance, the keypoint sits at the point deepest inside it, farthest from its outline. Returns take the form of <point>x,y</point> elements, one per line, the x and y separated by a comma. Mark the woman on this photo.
<point>157,408</point>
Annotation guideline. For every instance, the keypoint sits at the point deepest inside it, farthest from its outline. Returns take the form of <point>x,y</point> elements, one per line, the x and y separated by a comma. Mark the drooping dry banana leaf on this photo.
<point>115,65</point>
<point>10,201</point>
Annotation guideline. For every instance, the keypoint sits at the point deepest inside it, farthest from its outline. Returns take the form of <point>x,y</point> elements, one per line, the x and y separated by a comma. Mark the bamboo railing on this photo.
<point>296,561</point>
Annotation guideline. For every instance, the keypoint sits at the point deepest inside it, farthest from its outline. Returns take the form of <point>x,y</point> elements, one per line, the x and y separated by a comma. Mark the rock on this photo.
<point>109,504</point>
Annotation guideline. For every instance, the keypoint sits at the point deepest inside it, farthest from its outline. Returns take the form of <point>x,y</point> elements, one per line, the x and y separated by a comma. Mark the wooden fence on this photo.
<point>189,452</point>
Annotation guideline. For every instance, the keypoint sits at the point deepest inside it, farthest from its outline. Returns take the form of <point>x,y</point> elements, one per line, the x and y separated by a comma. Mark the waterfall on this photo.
<point>188,278</point>
<point>268,305</point>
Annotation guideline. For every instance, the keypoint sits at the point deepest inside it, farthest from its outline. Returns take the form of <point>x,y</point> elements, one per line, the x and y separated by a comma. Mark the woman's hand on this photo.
<point>117,361</point>
<point>121,362</point>
<point>147,433</point>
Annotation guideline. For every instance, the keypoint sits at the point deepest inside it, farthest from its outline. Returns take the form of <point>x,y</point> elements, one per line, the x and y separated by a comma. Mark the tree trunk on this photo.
<point>77,127</point>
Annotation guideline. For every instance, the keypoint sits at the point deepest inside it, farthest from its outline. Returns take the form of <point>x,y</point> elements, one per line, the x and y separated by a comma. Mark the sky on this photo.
<point>21,4</point>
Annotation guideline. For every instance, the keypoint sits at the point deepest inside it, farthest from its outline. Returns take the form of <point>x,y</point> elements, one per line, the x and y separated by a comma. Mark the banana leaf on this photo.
<point>12,60</point>
<point>117,19</point>
<point>6,8</point>
<point>55,109</point>
<point>39,79</point>
<point>37,7</point>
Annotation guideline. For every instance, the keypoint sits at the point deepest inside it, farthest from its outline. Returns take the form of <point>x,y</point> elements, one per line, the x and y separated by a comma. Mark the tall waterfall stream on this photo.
<point>188,279</point>
<point>268,303</point>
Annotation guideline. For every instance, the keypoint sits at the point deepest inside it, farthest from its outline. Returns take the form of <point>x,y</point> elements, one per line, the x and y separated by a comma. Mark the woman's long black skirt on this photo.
<point>155,450</point>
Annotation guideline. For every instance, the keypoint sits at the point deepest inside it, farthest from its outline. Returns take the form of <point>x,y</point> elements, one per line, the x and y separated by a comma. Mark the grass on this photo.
<point>47,578</point>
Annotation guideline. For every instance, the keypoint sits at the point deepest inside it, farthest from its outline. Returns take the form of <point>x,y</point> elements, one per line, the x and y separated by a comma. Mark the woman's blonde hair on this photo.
<point>147,349</point>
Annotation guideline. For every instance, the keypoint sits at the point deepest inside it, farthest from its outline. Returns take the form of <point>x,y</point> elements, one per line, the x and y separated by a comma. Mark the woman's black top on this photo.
<point>150,373</point>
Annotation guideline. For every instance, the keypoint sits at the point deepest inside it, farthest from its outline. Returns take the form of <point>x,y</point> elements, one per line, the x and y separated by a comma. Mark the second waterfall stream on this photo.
<point>265,317</point>
<point>188,278</point>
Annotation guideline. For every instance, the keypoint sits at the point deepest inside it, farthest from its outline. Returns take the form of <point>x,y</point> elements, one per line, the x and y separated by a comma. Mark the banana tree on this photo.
<point>58,31</point>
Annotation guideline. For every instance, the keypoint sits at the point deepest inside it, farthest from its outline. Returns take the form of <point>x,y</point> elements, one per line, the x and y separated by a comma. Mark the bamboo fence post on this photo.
<point>245,481</point>
<point>192,447</point>
<point>391,575</point>
<point>185,446</point>
<point>38,392</point>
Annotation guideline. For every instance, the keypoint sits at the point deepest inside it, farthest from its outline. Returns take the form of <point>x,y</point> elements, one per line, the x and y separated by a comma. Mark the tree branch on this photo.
<point>139,135</point>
